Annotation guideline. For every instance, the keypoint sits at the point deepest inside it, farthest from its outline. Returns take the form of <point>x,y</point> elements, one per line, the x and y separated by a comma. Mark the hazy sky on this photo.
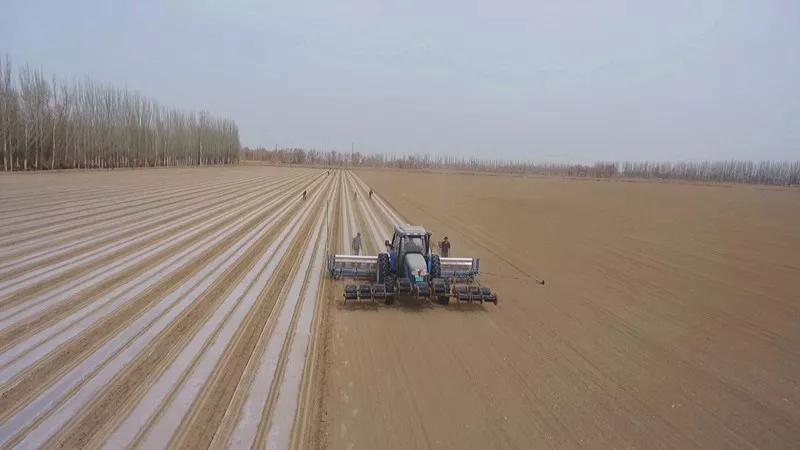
<point>566,80</point>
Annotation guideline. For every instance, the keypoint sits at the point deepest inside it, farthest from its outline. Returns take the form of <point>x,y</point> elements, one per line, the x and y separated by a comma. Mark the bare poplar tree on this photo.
<point>9,112</point>
<point>59,124</point>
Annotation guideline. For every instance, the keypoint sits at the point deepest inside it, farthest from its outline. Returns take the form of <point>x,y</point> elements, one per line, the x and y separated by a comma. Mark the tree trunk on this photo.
<point>66,145</point>
<point>53,156</point>
<point>25,160</point>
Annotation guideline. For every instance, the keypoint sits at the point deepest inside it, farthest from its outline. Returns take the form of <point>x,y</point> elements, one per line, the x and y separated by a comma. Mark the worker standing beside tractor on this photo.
<point>356,245</point>
<point>444,248</point>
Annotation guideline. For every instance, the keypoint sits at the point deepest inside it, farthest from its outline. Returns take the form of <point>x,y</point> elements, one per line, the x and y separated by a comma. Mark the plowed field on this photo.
<point>670,318</point>
<point>189,308</point>
<point>159,308</point>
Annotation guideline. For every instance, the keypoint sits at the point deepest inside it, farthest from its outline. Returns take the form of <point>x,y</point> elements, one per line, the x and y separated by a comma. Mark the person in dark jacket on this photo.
<point>304,195</point>
<point>444,247</point>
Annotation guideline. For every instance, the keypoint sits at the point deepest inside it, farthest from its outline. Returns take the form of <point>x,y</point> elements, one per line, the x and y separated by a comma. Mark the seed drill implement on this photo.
<point>409,268</point>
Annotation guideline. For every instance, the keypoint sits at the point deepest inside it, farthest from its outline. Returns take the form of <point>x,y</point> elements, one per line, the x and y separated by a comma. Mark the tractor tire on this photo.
<point>436,267</point>
<point>383,268</point>
<point>385,277</point>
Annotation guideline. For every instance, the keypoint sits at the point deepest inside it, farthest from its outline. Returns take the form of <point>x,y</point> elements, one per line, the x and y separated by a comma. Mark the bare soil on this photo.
<point>670,318</point>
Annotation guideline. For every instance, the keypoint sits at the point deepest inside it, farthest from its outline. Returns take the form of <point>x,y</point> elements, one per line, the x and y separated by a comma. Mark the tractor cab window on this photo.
<point>413,244</point>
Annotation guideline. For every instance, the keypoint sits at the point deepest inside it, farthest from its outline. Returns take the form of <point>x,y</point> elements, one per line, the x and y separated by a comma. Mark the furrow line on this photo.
<point>66,288</point>
<point>284,416</point>
<point>86,209</point>
<point>312,387</point>
<point>92,227</point>
<point>138,224</point>
<point>371,221</point>
<point>19,201</point>
<point>97,257</point>
<point>39,183</point>
<point>114,207</point>
<point>347,233</point>
<point>125,290</point>
<point>70,353</point>
<point>351,218</point>
<point>121,366</point>
<point>205,419</point>
<point>391,215</point>
<point>179,384</point>
<point>51,228</point>
<point>246,424</point>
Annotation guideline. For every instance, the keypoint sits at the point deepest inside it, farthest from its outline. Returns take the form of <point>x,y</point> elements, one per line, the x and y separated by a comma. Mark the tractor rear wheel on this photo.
<point>383,268</point>
<point>436,267</point>
<point>385,276</point>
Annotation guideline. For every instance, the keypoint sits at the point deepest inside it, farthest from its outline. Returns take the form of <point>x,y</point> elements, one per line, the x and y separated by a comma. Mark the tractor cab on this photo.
<point>409,252</point>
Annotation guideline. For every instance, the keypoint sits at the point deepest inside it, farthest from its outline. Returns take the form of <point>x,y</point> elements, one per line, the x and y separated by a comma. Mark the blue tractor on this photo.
<point>410,268</point>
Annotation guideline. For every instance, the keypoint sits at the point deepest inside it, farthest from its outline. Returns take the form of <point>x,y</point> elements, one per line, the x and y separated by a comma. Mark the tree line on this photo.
<point>57,124</point>
<point>760,172</point>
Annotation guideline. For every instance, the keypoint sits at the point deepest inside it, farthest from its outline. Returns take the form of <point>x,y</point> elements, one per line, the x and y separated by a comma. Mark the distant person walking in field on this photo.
<point>355,195</point>
<point>304,195</point>
<point>356,245</point>
<point>444,247</point>
<point>370,193</point>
